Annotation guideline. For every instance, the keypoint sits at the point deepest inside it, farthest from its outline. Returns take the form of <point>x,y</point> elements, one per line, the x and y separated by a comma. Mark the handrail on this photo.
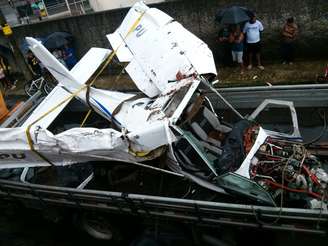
<point>191,211</point>
<point>273,88</point>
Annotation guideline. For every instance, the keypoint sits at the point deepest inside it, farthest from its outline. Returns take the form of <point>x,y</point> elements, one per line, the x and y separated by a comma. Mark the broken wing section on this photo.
<point>158,49</point>
<point>133,19</point>
<point>55,97</point>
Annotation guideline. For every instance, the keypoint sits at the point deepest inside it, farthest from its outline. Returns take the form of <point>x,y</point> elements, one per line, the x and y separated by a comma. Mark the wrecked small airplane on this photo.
<point>171,119</point>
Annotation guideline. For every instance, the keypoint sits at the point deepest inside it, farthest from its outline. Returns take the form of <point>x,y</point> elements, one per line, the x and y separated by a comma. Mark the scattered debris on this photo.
<point>172,120</point>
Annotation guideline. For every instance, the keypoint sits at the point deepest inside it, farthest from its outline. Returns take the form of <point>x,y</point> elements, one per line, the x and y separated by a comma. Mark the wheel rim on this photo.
<point>97,227</point>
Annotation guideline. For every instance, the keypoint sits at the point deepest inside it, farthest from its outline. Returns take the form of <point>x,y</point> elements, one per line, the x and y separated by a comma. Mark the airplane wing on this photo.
<point>158,49</point>
<point>56,96</point>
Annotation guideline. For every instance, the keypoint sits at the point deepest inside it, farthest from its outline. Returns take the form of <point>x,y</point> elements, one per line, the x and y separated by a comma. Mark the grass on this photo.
<point>276,74</point>
<point>298,73</point>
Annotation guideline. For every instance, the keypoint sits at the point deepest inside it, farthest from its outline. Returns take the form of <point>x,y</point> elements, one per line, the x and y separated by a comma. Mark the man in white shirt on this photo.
<point>252,30</point>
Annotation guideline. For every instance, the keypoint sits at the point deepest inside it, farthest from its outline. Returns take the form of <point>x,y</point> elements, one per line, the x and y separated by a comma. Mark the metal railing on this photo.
<point>308,95</point>
<point>203,213</point>
<point>68,7</point>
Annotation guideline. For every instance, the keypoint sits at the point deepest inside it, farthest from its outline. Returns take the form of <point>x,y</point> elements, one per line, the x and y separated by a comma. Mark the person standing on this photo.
<point>34,65</point>
<point>223,40</point>
<point>69,56</point>
<point>236,38</point>
<point>59,54</point>
<point>289,35</point>
<point>252,30</point>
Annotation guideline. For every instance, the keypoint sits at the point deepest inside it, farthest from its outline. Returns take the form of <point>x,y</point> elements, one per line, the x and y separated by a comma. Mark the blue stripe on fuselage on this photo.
<point>102,107</point>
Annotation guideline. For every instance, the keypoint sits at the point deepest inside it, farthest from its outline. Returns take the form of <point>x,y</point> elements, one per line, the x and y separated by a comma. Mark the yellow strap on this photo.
<point>110,58</point>
<point>27,131</point>
<point>119,75</point>
<point>132,28</point>
<point>86,117</point>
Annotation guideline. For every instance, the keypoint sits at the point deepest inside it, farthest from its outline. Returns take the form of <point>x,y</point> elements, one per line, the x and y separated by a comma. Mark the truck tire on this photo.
<point>98,227</point>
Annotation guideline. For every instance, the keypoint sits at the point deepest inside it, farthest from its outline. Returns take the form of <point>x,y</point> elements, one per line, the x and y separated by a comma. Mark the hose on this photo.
<point>313,194</point>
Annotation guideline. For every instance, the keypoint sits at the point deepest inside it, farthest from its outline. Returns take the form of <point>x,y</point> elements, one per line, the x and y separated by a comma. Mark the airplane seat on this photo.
<point>207,127</point>
<point>190,160</point>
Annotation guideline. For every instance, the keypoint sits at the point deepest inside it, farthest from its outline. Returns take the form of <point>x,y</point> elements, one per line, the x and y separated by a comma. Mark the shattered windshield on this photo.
<point>241,185</point>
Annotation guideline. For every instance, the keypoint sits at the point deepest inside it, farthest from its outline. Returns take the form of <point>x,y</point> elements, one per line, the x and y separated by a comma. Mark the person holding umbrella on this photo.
<point>59,54</point>
<point>236,38</point>
<point>223,40</point>
<point>252,30</point>
<point>69,56</point>
<point>228,17</point>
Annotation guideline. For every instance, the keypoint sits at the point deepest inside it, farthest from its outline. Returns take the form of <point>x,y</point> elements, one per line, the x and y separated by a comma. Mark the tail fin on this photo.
<point>79,74</point>
<point>104,102</point>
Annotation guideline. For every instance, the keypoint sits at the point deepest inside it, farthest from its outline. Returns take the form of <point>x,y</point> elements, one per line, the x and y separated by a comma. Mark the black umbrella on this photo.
<point>24,46</point>
<point>233,15</point>
<point>57,40</point>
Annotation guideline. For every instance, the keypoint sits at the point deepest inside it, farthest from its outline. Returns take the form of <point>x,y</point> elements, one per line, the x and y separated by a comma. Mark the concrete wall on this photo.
<point>100,5</point>
<point>198,16</point>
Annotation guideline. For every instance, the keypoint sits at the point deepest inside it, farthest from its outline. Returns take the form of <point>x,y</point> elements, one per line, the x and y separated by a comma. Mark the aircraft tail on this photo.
<point>79,74</point>
<point>103,102</point>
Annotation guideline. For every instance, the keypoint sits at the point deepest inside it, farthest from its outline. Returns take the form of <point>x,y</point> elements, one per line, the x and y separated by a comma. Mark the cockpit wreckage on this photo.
<point>171,119</point>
